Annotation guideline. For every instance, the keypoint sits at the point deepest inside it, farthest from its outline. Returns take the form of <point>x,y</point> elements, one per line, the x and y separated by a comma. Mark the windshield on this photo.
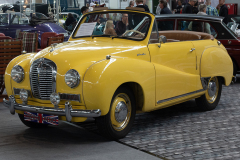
<point>114,24</point>
<point>4,19</point>
<point>18,18</point>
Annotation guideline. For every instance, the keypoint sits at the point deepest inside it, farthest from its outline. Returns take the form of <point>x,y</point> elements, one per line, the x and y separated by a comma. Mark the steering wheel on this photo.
<point>133,31</point>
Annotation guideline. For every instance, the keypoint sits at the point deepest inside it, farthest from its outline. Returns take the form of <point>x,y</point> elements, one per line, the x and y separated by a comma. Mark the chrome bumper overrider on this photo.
<point>68,111</point>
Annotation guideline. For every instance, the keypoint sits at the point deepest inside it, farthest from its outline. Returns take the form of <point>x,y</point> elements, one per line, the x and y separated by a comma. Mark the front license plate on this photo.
<point>41,118</point>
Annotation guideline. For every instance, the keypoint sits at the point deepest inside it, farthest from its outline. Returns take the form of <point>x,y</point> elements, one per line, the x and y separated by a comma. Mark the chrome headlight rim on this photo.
<point>77,76</point>
<point>20,71</point>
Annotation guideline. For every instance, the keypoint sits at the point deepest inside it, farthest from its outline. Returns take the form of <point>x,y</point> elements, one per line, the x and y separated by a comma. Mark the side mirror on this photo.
<point>162,39</point>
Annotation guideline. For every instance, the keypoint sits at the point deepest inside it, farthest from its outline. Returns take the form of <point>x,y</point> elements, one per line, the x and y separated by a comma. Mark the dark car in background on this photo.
<point>13,23</point>
<point>207,24</point>
<point>234,25</point>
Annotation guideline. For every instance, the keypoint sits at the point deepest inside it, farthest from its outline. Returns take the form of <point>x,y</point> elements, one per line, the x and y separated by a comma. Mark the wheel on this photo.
<point>210,99</point>
<point>119,120</point>
<point>31,124</point>
<point>234,69</point>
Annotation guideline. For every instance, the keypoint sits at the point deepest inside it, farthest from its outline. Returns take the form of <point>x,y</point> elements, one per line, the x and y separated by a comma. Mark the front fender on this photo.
<point>103,78</point>
<point>215,61</point>
<point>15,61</point>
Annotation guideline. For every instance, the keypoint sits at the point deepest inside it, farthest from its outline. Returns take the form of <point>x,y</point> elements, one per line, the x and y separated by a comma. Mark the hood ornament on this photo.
<point>53,46</point>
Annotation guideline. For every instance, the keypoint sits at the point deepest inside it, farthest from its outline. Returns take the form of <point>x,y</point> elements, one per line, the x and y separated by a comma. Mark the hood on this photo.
<point>50,27</point>
<point>75,53</point>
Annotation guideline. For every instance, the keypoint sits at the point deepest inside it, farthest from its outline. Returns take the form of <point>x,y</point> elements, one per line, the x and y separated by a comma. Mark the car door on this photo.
<point>175,65</point>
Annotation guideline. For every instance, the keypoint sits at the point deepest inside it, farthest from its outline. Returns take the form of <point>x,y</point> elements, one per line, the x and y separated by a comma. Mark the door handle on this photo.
<point>192,49</point>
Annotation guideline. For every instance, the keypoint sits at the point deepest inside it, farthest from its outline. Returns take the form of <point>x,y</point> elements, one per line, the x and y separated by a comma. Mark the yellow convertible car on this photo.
<point>110,70</point>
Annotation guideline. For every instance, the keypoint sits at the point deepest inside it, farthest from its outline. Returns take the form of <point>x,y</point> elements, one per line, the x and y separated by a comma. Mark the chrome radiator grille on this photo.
<point>43,78</point>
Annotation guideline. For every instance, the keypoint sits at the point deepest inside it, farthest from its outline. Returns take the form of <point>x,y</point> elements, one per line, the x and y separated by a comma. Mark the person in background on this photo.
<point>87,5</point>
<point>92,5</point>
<point>164,8</point>
<point>211,11</point>
<point>174,5</point>
<point>195,8</point>
<point>179,7</point>
<point>131,4</point>
<point>144,3</point>
<point>223,10</point>
<point>121,26</point>
<point>96,2</point>
<point>84,10</point>
<point>139,4</point>
<point>70,19</point>
<point>188,7</point>
<point>109,28</point>
<point>158,9</point>
<point>202,11</point>
<point>130,16</point>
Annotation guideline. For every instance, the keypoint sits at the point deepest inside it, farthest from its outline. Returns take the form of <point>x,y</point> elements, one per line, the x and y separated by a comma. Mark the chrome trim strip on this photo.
<point>68,111</point>
<point>180,96</point>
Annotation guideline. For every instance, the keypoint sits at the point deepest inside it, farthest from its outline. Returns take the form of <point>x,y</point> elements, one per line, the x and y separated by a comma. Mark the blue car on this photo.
<point>12,23</point>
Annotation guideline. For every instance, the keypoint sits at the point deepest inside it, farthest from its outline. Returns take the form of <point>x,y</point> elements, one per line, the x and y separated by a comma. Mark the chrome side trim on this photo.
<point>180,96</point>
<point>68,111</point>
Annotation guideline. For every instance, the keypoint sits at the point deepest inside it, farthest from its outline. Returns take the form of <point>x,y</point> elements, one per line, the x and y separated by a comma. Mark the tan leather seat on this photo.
<point>180,35</point>
<point>205,35</point>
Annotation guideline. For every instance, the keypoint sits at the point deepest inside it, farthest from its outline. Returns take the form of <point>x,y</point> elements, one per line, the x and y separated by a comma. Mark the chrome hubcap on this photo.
<point>121,112</point>
<point>212,89</point>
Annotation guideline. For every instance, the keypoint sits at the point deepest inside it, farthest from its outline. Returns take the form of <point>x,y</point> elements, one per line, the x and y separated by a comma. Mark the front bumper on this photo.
<point>68,111</point>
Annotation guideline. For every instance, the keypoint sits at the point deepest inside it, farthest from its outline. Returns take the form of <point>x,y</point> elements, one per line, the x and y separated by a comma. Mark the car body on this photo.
<point>11,23</point>
<point>111,77</point>
<point>217,28</point>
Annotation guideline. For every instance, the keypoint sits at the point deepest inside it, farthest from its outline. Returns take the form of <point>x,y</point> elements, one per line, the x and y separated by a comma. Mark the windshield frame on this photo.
<point>113,11</point>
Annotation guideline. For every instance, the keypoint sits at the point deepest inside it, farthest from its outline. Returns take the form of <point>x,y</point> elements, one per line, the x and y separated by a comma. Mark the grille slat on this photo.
<point>41,76</point>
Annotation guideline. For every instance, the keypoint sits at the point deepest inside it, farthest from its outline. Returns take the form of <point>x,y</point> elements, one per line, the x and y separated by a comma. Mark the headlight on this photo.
<point>72,78</point>
<point>17,73</point>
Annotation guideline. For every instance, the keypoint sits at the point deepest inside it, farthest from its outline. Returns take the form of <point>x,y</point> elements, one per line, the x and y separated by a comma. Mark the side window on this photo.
<point>164,25</point>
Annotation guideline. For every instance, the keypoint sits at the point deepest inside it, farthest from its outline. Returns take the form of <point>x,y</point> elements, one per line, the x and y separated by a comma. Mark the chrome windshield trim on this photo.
<point>180,96</point>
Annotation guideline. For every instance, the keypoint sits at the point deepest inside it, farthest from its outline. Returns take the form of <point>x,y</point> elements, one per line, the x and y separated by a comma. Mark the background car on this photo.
<point>13,23</point>
<point>112,76</point>
<point>234,25</point>
<point>63,17</point>
<point>206,24</point>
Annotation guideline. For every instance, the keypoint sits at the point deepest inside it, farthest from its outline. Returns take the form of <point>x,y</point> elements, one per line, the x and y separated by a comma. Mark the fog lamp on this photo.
<point>55,99</point>
<point>23,95</point>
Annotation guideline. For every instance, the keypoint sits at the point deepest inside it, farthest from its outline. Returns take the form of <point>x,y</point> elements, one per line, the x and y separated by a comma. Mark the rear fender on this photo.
<point>215,61</point>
